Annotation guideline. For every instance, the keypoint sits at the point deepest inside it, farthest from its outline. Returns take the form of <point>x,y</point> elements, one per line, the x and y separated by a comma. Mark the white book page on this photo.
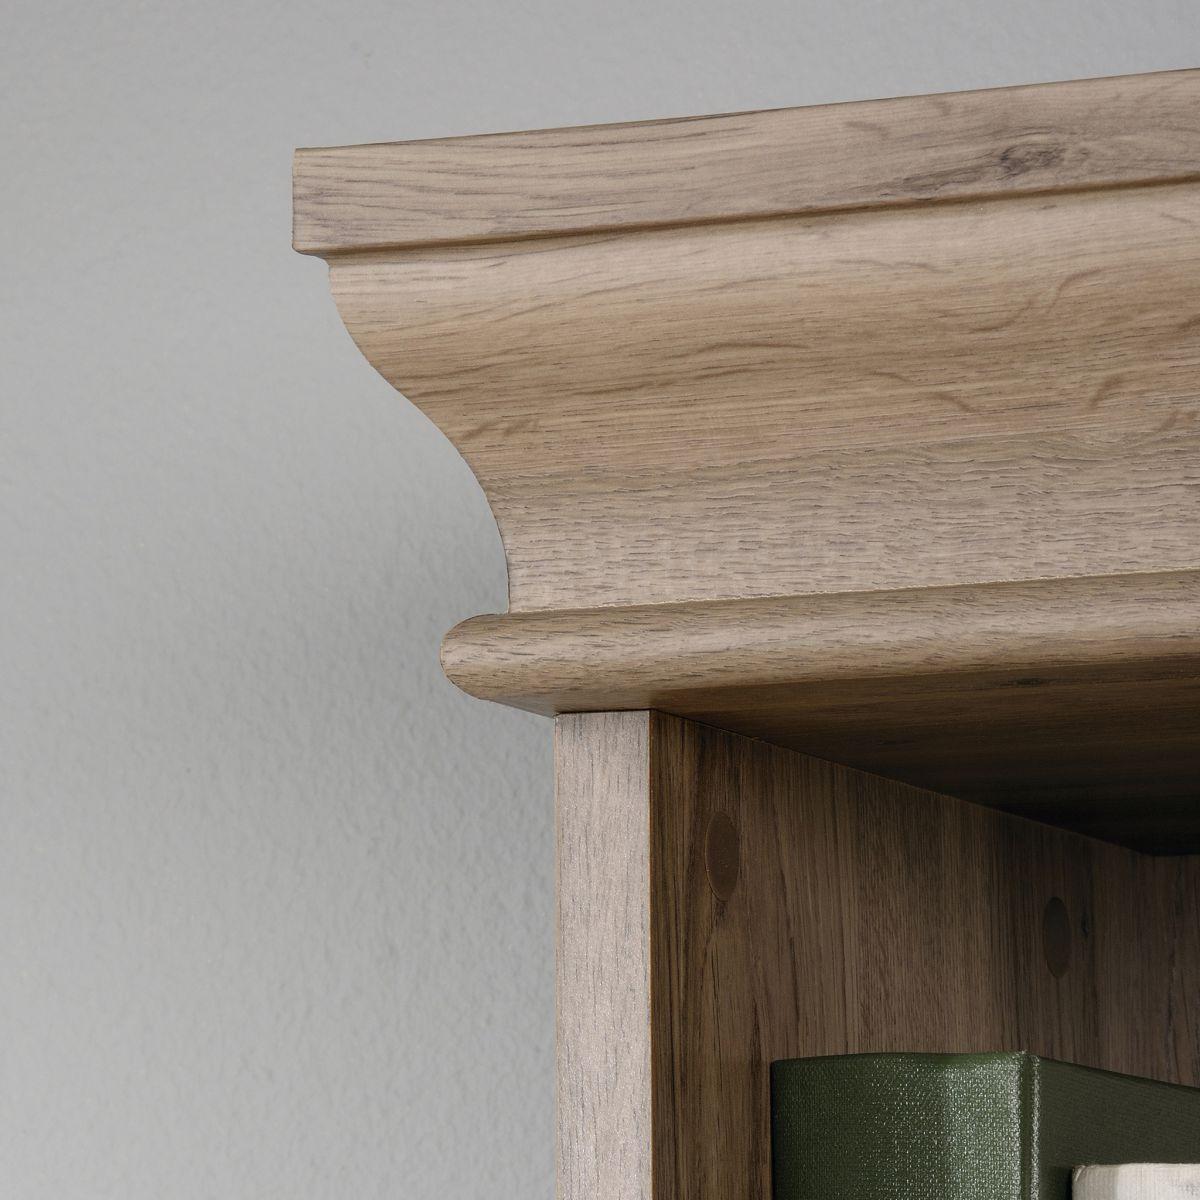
<point>1137,1181</point>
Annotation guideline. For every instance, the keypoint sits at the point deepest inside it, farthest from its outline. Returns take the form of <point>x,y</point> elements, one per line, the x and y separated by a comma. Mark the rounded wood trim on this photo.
<point>1074,701</point>
<point>638,657</point>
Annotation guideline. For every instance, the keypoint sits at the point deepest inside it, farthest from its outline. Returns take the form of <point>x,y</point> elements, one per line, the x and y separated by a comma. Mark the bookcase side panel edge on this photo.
<point>602,972</point>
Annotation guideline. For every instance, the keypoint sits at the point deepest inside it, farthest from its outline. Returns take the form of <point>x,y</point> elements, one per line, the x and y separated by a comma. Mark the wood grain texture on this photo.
<point>602,978</point>
<point>866,916</point>
<point>579,659</point>
<point>1076,700</point>
<point>915,346</point>
<point>1091,133</point>
<point>903,398</point>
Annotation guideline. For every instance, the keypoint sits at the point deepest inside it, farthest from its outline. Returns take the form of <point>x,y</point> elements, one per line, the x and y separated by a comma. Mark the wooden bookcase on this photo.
<point>847,464</point>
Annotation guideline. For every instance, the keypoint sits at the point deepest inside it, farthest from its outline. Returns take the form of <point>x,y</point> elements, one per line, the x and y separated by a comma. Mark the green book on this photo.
<point>964,1126</point>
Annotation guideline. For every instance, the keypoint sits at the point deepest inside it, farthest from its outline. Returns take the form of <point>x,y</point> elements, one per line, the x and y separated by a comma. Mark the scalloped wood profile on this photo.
<point>868,429</point>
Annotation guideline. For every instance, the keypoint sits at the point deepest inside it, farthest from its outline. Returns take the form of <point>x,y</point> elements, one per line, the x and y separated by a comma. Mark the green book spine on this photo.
<point>964,1126</point>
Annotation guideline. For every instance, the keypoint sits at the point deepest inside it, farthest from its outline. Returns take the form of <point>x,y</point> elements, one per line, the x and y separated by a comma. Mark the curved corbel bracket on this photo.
<point>938,343</point>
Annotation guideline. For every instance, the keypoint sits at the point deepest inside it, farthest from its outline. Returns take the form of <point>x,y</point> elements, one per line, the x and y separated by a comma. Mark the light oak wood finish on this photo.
<point>1074,700</point>
<point>926,396</point>
<point>872,430</point>
<point>847,352</point>
<point>602,976</point>
<point>967,145</point>
<point>866,915</point>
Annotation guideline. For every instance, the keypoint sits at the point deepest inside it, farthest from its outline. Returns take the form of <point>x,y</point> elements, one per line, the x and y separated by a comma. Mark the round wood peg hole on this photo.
<point>1056,937</point>
<point>721,855</point>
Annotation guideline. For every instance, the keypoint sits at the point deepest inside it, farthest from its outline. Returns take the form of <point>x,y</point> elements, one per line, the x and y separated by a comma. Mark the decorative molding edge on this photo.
<point>664,656</point>
<point>1074,701</point>
<point>1091,133</point>
<point>929,360</point>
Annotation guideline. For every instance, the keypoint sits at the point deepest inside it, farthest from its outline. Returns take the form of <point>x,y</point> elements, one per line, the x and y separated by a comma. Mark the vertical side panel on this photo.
<point>603,956</point>
<point>724,903</point>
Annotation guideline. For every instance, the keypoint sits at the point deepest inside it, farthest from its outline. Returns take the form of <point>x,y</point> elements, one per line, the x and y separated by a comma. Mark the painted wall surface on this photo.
<point>275,900</point>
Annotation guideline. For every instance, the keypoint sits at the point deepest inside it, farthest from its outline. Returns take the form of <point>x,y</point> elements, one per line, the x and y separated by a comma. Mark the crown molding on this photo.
<point>858,367</point>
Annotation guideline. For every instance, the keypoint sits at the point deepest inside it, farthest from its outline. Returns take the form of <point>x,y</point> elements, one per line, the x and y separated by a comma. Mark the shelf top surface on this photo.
<point>1035,138</point>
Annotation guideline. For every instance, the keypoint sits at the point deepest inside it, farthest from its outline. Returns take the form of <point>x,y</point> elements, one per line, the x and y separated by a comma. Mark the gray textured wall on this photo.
<point>275,901</point>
